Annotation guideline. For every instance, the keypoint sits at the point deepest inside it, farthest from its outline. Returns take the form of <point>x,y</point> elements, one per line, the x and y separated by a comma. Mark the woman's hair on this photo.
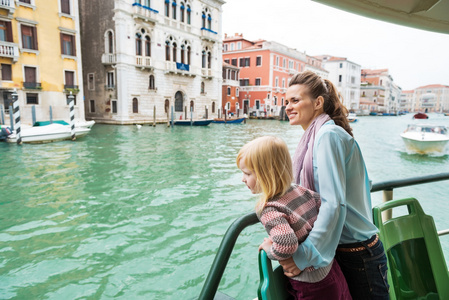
<point>323,87</point>
<point>268,157</point>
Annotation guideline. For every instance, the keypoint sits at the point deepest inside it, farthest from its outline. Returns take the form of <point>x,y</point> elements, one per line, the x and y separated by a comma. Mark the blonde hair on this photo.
<point>268,157</point>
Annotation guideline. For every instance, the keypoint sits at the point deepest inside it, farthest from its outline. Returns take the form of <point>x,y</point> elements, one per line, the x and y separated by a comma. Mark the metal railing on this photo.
<point>229,239</point>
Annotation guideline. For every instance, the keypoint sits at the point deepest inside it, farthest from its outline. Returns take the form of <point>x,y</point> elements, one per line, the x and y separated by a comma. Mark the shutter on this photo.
<point>62,42</point>
<point>69,76</point>
<point>34,30</point>
<point>73,45</point>
<point>30,74</point>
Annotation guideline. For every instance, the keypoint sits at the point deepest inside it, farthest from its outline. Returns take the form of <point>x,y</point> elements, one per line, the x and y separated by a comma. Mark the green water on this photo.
<point>138,214</point>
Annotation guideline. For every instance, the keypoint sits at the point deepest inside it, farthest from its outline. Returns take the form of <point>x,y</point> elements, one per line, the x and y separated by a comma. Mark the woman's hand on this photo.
<point>266,245</point>
<point>290,268</point>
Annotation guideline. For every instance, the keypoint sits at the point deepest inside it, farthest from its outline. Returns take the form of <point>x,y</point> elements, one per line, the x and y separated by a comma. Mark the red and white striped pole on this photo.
<point>16,114</point>
<point>72,115</point>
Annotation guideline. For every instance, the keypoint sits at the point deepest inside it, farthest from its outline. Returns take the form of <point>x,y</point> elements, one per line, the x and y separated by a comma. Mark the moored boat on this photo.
<point>423,138</point>
<point>352,118</point>
<point>193,122</point>
<point>232,121</point>
<point>47,133</point>
<point>420,115</point>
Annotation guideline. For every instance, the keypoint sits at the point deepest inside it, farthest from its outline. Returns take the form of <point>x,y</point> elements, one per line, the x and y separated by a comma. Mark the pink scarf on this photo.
<point>303,158</point>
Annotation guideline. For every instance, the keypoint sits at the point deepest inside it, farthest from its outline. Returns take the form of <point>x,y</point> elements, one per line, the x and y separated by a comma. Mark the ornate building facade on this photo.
<point>145,58</point>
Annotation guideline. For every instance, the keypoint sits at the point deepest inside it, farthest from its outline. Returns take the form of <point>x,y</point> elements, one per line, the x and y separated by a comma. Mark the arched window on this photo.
<point>209,22</point>
<point>167,8</point>
<point>167,105</point>
<point>151,83</point>
<point>203,59</point>
<point>192,106</point>
<point>147,46</point>
<point>203,20</point>
<point>110,42</point>
<point>135,106</point>
<point>229,91</point>
<point>174,52</point>
<point>189,11</point>
<point>181,12</point>
<point>178,101</point>
<point>167,51</point>
<point>209,60</point>
<point>202,87</point>
<point>236,92</point>
<point>138,44</point>
<point>182,54</point>
<point>174,9</point>
<point>188,55</point>
<point>213,107</point>
<point>147,3</point>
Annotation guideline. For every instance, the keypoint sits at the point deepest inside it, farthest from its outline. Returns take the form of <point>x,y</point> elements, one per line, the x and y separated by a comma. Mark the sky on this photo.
<point>414,57</point>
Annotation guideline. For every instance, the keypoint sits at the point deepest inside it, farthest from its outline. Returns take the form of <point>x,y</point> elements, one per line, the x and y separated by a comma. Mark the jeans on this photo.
<point>365,271</point>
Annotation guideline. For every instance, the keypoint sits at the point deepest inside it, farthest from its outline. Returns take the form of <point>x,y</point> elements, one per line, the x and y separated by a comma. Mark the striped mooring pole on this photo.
<point>16,113</point>
<point>72,115</point>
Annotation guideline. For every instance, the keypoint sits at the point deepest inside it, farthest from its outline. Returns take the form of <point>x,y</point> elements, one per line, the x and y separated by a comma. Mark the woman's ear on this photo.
<point>319,102</point>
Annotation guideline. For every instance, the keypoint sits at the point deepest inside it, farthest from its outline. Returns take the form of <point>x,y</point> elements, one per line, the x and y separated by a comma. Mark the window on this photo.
<point>234,62</point>
<point>147,46</point>
<point>232,46</point>
<point>277,60</point>
<point>257,81</point>
<point>229,91</point>
<point>341,65</point>
<point>167,8</point>
<point>114,106</point>
<point>284,63</point>
<point>25,1</point>
<point>6,72</point>
<point>68,44</point>
<point>192,106</point>
<point>202,87</point>
<point>276,82</point>
<point>110,43</point>
<point>91,82</point>
<point>151,83</point>
<point>188,55</point>
<point>110,80</point>
<point>226,61</point>
<point>174,9</point>
<point>259,61</point>
<point>247,62</point>
<point>92,106</point>
<point>239,45</point>
<point>209,22</point>
<point>65,6</point>
<point>32,98</point>
<point>188,14</point>
<point>29,37</point>
<point>167,105</point>
<point>283,82</point>
<point>181,12</point>
<point>213,107</point>
<point>5,31</point>
<point>174,51</point>
<point>225,47</point>
<point>135,106</point>
<point>167,51</point>
<point>30,78</point>
<point>69,77</point>
<point>236,92</point>
<point>241,62</point>
<point>339,78</point>
<point>138,44</point>
<point>182,54</point>
<point>244,82</point>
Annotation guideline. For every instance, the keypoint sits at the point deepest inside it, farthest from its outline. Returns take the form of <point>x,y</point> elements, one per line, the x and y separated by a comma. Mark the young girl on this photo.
<point>288,213</point>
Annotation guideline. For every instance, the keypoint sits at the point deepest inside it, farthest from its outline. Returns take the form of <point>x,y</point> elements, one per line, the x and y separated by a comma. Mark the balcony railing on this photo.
<point>144,61</point>
<point>145,12</point>
<point>231,82</point>
<point>8,5</point>
<point>208,34</point>
<point>32,85</point>
<point>256,88</point>
<point>8,49</point>
<point>206,72</point>
<point>109,86</point>
<point>108,58</point>
<point>179,68</point>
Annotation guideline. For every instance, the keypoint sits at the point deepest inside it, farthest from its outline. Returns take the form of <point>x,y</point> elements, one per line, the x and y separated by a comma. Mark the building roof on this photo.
<point>433,86</point>
<point>373,72</point>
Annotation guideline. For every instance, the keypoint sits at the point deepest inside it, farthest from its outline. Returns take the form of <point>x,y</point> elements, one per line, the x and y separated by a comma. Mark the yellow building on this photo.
<point>40,58</point>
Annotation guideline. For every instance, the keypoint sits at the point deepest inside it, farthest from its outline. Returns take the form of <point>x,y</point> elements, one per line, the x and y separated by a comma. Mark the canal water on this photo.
<point>129,213</point>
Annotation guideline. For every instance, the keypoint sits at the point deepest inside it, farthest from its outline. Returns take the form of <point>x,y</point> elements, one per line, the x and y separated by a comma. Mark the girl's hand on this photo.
<point>266,245</point>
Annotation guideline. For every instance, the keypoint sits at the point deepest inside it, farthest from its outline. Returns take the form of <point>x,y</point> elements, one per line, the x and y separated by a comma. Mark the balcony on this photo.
<point>209,35</point>
<point>292,71</point>
<point>32,86</point>
<point>178,68</point>
<point>71,88</point>
<point>109,87</point>
<point>206,73</point>
<point>10,50</point>
<point>8,5</point>
<point>144,62</point>
<point>145,13</point>
<point>108,59</point>
<point>255,88</point>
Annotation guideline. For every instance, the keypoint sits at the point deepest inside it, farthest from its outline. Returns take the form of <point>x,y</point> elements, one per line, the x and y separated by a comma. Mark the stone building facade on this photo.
<point>145,59</point>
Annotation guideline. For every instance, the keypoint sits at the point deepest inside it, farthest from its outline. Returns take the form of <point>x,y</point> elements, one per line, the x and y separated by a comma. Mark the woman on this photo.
<point>328,160</point>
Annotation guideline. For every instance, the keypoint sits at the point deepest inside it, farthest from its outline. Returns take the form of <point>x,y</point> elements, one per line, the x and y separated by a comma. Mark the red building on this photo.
<point>230,88</point>
<point>265,71</point>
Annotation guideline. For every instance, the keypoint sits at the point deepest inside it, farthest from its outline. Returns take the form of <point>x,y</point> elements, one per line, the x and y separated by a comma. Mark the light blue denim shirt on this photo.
<point>342,181</point>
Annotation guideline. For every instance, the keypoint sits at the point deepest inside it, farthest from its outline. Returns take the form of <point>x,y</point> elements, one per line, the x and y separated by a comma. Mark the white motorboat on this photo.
<point>425,138</point>
<point>48,133</point>
<point>352,117</point>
